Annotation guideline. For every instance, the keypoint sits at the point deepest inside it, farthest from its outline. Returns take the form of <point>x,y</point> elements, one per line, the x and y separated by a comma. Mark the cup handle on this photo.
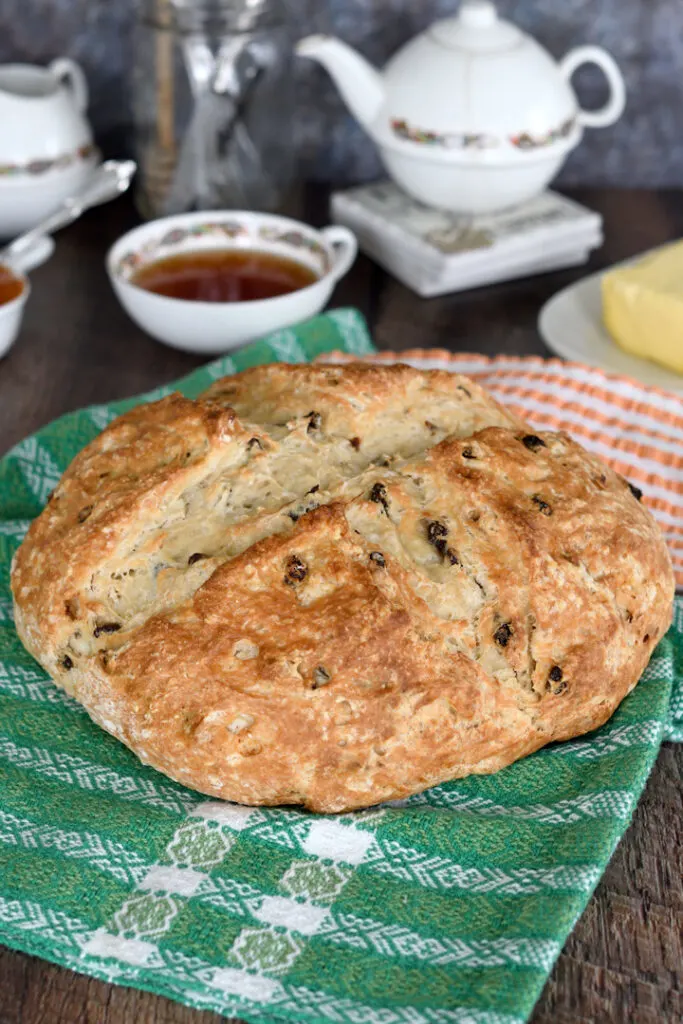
<point>72,73</point>
<point>344,246</point>
<point>614,107</point>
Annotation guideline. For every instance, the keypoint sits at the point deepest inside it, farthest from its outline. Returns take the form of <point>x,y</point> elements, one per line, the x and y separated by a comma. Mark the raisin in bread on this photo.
<point>334,586</point>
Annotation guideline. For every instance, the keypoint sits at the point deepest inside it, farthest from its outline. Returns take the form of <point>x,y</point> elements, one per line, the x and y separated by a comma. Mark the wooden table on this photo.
<point>623,963</point>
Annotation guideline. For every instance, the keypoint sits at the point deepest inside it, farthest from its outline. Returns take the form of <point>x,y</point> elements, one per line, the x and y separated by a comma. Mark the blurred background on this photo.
<point>644,149</point>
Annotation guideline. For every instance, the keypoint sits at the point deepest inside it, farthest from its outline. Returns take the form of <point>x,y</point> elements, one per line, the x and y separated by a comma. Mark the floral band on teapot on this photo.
<point>479,140</point>
<point>57,163</point>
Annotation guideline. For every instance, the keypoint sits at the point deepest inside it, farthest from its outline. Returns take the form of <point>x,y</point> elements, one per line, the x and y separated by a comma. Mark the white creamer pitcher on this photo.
<point>46,147</point>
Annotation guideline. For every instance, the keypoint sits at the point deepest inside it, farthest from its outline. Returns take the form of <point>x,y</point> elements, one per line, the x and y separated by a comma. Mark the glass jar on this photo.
<point>213,105</point>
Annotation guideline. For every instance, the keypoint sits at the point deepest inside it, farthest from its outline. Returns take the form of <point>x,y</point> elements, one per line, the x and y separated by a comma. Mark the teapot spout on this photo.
<point>358,82</point>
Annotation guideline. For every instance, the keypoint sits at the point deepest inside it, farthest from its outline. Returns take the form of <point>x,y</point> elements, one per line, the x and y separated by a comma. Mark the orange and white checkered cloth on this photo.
<point>638,430</point>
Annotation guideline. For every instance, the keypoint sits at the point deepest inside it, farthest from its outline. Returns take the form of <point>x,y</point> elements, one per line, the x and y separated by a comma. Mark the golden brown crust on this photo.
<point>335,586</point>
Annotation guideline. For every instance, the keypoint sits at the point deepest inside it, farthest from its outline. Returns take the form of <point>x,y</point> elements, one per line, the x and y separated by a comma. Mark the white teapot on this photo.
<point>46,146</point>
<point>472,115</point>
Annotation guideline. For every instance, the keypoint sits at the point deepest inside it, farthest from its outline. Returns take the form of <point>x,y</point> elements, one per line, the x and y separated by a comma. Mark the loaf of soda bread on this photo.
<point>338,585</point>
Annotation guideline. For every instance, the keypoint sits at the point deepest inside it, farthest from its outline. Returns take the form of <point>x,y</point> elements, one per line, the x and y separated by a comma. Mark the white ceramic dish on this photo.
<point>11,313</point>
<point>571,325</point>
<point>213,327</point>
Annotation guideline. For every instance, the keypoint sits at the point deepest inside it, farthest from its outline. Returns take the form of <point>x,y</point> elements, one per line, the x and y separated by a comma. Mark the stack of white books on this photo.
<point>433,251</point>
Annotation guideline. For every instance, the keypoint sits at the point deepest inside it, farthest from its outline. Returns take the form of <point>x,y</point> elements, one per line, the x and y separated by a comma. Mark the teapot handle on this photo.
<point>614,107</point>
<point>72,73</point>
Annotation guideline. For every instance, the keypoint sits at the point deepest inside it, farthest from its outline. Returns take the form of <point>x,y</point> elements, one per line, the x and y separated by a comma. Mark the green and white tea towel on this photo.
<point>448,909</point>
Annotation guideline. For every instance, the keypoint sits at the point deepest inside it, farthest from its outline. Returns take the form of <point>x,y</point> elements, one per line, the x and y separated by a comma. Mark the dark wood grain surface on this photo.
<point>624,960</point>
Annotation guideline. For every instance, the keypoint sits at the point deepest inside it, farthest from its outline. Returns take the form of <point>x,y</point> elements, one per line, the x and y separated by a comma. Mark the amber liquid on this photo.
<point>223,275</point>
<point>10,286</point>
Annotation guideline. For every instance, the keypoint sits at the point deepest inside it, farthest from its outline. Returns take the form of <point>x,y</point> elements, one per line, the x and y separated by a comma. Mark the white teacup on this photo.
<point>11,313</point>
<point>210,328</point>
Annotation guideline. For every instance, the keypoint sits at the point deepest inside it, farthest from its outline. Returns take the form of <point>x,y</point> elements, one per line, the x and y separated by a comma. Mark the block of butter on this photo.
<point>642,306</point>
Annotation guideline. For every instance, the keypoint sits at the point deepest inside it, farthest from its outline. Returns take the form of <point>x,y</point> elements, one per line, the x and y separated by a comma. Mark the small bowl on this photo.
<point>210,328</point>
<point>12,312</point>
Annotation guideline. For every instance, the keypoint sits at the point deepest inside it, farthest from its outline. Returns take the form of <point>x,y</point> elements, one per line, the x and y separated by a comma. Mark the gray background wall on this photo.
<point>645,36</point>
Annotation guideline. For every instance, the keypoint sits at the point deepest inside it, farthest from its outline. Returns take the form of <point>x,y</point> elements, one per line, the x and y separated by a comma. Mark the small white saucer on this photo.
<point>571,325</point>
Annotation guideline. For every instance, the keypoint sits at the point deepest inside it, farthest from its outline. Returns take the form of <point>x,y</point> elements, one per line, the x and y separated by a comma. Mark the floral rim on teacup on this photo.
<point>231,229</point>
<point>58,163</point>
<point>479,140</point>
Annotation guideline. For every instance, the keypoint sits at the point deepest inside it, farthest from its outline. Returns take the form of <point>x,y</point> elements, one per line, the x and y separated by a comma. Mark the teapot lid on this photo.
<point>476,27</point>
